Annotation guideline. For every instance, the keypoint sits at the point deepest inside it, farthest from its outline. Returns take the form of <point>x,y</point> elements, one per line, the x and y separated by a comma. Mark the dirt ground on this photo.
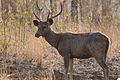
<point>90,70</point>
<point>28,69</point>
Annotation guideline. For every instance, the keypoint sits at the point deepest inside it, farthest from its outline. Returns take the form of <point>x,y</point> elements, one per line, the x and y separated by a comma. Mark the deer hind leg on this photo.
<point>71,68</point>
<point>101,62</point>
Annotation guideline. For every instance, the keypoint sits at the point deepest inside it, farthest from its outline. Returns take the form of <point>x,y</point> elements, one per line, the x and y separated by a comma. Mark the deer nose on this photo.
<point>37,35</point>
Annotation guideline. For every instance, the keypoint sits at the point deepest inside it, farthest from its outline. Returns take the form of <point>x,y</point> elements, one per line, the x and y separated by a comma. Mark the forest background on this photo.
<point>21,52</point>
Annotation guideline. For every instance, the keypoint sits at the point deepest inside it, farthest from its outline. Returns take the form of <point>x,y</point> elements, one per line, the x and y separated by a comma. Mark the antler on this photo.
<point>48,14</point>
<point>56,14</point>
<point>39,11</point>
<point>36,16</point>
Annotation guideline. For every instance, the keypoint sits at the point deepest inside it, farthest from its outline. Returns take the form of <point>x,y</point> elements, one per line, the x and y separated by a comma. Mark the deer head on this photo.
<point>44,26</point>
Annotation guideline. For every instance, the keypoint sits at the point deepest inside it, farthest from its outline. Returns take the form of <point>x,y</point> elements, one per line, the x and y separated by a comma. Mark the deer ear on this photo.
<point>50,21</point>
<point>35,22</point>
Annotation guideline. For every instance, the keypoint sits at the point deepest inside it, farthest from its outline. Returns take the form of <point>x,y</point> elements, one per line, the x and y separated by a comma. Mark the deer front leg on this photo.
<point>66,65</point>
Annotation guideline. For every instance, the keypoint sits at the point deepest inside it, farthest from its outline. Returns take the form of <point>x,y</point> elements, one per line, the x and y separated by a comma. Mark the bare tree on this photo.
<point>95,18</point>
<point>14,5</point>
<point>4,9</point>
<point>74,10</point>
<point>106,10</point>
<point>84,10</point>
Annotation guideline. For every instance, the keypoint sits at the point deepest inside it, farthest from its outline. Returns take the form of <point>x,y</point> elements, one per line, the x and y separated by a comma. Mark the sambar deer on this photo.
<point>70,45</point>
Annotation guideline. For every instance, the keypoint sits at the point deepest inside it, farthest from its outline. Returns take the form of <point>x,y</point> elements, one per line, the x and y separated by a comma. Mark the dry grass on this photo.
<point>4,77</point>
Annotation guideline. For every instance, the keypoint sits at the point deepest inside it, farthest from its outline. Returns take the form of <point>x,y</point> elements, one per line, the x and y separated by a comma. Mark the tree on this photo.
<point>95,11</point>
<point>106,11</point>
<point>74,10</point>
<point>4,9</point>
<point>84,10</point>
<point>14,4</point>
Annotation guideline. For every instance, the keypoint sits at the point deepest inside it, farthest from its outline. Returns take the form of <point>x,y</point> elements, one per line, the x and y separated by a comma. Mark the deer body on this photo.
<point>79,45</point>
<point>69,45</point>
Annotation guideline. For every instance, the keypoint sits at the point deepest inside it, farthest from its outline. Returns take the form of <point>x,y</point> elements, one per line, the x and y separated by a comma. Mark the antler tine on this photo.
<point>38,6</point>
<point>48,14</point>
<point>59,12</point>
<point>39,11</point>
<point>36,16</point>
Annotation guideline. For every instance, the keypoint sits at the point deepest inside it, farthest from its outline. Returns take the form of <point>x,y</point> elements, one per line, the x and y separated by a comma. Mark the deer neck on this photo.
<point>53,38</point>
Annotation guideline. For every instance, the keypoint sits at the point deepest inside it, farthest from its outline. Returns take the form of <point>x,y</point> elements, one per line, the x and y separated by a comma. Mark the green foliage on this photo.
<point>22,2</point>
<point>15,27</point>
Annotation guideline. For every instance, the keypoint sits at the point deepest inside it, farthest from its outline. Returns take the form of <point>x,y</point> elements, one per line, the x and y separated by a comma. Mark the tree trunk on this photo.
<point>84,10</point>
<point>74,10</point>
<point>95,12</point>
<point>28,4</point>
<point>4,9</point>
<point>106,11</point>
<point>13,4</point>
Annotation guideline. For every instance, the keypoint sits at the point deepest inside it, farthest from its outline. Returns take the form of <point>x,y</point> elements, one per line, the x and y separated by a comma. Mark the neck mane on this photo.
<point>53,38</point>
